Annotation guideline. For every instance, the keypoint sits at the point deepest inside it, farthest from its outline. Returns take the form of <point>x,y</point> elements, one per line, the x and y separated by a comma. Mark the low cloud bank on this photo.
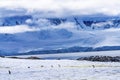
<point>26,28</point>
<point>16,29</point>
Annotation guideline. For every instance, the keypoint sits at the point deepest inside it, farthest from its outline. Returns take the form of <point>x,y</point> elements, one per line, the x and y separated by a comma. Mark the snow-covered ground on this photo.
<point>72,55</point>
<point>22,69</point>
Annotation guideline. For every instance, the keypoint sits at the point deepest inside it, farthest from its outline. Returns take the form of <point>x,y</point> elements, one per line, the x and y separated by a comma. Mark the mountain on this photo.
<point>92,23</point>
<point>57,33</point>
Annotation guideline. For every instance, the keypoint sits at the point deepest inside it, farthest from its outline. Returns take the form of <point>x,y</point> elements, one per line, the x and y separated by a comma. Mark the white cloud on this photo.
<point>16,29</point>
<point>108,7</point>
<point>25,28</point>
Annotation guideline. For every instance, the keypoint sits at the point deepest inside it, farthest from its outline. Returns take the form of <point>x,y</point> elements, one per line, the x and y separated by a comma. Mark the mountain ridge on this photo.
<point>56,33</point>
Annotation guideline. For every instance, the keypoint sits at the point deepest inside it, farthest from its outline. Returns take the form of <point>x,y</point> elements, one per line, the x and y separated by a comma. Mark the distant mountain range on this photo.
<point>65,50</point>
<point>56,35</point>
<point>86,23</point>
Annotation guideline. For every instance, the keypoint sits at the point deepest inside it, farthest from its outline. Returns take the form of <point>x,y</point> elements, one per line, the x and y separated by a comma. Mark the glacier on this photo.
<point>57,33</point>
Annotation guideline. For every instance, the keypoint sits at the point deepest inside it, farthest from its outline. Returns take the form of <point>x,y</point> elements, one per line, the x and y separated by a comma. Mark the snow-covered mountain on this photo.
<point>86,23</point>
<point>20,34</point>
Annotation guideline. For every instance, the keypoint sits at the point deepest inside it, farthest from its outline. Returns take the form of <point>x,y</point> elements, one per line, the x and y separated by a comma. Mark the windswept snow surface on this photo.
<point>58,70</point>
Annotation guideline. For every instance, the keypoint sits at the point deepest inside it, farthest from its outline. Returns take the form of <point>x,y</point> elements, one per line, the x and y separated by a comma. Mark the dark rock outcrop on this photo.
<point>101,58</point>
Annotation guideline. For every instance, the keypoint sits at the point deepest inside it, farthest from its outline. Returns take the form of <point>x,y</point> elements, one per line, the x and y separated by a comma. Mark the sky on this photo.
<point>62,7</point>
<point>55,8</point>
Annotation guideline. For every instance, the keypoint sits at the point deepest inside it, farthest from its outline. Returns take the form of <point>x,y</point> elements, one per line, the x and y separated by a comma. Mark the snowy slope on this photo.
<point>19,34</point>
<point>57,70</point>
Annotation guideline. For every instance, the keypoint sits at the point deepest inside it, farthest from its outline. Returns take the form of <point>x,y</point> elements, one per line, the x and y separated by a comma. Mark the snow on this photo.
<point>73,55</point>
<point>19,34</point>
<point>58,70</point>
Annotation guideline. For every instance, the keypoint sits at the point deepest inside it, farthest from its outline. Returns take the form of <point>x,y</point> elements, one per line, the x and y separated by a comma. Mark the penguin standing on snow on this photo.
<point>9,72</point>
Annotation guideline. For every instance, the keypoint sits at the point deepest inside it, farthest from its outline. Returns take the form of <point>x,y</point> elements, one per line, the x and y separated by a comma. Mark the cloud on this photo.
<point>16,29</point>
<point>11,12</point>
<point>65,7</point>
<point>26,28</point>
